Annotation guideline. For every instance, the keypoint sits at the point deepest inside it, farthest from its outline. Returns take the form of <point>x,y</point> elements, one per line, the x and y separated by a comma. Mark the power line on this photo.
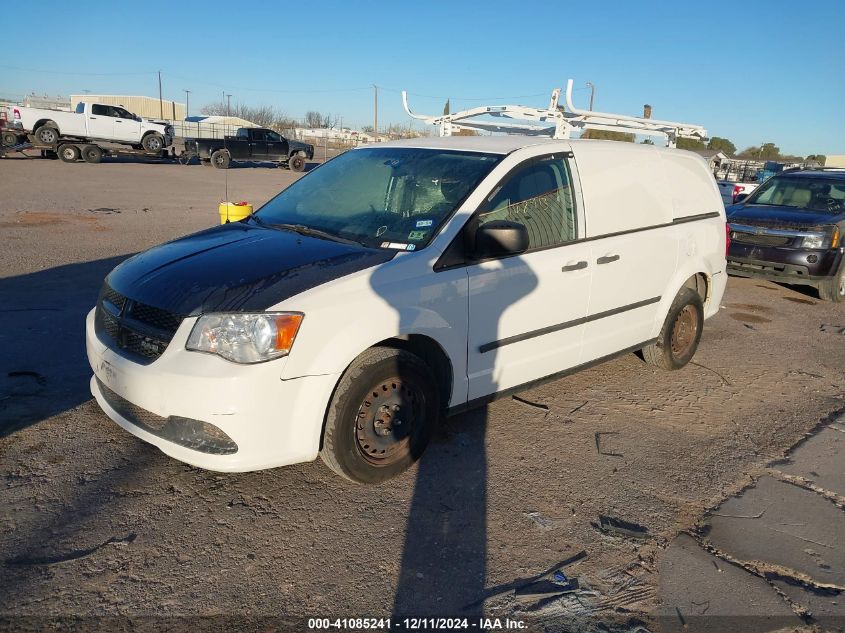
<point>273,90</point>
<point>416,94</point>
<point>64,72</point>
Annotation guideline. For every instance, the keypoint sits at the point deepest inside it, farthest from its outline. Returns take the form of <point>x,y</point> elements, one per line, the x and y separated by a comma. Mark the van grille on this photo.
<point>142,331</point>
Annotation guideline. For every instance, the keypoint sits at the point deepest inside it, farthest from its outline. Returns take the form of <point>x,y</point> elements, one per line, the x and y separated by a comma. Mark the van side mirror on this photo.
<point>500,238</point>
<point>740,198</point>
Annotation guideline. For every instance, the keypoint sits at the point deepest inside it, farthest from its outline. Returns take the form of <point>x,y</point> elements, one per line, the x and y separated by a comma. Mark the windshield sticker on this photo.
<point>411,247</point>
<point>381,231</point>
<point>422,223</point>
<point>401,246</point>
<point>416,236</point>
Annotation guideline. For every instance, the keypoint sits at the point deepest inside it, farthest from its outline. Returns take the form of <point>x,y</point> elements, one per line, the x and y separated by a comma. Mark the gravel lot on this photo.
<point>95,522</point>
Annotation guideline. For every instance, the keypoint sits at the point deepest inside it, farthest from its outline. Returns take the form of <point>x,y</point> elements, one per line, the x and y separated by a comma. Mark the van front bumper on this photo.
<point>205,411</point>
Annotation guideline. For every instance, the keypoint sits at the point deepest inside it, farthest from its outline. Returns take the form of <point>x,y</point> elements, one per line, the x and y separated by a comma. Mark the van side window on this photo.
<point>539,196</point>
<point>258,135</point>
<point>243,134</point>
<point>100,110</point>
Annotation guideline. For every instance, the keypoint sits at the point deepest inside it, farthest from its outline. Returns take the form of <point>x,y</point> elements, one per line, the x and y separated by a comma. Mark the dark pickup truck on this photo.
<point>249,143</point>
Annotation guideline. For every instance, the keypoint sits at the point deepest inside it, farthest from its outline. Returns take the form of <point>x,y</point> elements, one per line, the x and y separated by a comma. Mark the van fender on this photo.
<point>688,269</point>
<point>323,348</point>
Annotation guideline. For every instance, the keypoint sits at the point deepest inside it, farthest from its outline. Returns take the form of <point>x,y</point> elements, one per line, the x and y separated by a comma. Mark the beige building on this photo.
<point>835,160</point>
<point>147,107</point>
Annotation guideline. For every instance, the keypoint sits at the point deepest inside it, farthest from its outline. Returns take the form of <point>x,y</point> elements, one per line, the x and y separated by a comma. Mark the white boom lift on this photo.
<point>555,121</point>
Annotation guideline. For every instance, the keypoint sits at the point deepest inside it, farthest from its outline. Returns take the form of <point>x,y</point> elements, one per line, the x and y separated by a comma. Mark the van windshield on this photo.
<point>391,197</point>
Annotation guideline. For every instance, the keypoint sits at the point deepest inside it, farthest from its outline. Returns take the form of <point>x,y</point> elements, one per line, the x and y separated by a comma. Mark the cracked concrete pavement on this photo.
<point>95,522</point>
<point>773,556</point>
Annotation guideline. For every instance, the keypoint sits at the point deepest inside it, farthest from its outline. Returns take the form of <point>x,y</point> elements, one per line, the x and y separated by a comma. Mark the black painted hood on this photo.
<point>236,267</point>
<point>779,216</point>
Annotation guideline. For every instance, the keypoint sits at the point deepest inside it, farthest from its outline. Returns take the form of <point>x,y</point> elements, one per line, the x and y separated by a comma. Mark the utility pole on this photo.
<point>228,104</point>
<point>592,94</point>
<point>375,112</point>
<point>160,102</point>
<point>187,103</point>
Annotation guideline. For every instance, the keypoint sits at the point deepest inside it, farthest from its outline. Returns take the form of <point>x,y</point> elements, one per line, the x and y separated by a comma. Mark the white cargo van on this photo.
<point>398,283</point>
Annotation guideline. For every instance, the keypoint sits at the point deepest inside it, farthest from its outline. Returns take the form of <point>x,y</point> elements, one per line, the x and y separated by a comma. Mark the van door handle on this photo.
<point>575,266</point>
<point>607,259</point>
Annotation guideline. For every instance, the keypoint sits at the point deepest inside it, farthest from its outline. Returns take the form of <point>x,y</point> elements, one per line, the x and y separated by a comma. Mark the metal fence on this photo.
<point>739,170</point>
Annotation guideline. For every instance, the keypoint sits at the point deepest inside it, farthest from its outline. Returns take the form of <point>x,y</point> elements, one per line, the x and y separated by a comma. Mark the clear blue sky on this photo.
<point>744,70</point>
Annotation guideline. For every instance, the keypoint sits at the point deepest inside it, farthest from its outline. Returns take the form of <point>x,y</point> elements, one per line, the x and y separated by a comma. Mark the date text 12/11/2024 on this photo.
<point>415,624</point>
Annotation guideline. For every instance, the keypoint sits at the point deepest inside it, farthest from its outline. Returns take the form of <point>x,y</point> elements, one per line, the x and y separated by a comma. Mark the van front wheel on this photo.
<point>380,417</point>
<point>678,339</point>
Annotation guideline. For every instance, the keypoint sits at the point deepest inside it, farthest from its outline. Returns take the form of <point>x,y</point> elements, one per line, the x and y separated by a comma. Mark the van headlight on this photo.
<point>245,338</point>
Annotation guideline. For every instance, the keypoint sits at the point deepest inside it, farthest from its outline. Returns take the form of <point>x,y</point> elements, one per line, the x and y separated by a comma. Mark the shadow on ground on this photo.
<point>44,369</point>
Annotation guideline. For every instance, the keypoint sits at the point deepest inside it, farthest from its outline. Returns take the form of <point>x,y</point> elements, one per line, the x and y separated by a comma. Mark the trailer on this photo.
<point>71,150</point>
<point>556,121</point>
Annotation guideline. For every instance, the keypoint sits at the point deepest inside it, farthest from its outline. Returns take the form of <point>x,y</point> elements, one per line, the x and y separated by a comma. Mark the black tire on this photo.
<point>47,135</point>
<point>833,289</point>
<point>221,159</point>
<point>678,339</point>
<point>153,143</point>
<point>92,154</point>
<point>10,139</point>
<point>362,441</point>
<point>296,162</point>
<point>69,153</point>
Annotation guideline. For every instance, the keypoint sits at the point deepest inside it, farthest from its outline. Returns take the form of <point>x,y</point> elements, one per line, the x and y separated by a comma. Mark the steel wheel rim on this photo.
<point>684,330</point>
<point>386,420</point>
<point>47,136</point>
<point>68,153</point>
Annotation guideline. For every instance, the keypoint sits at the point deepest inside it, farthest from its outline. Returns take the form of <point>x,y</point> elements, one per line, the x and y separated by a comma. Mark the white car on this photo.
<point>93,121</point>
<point>398,283</point>
<point>731,190</point>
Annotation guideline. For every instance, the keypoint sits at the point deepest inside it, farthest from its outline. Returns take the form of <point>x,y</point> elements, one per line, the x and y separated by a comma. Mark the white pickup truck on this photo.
<point>95,122</point>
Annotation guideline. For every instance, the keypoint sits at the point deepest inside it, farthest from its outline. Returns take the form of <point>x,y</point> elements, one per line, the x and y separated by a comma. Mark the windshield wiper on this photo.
<point>301,229</point>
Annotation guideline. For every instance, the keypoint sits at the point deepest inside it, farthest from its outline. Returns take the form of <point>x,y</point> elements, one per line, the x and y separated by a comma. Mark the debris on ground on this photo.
<point>602,451</point>
<point>620,527</point>
<point>536,405</point>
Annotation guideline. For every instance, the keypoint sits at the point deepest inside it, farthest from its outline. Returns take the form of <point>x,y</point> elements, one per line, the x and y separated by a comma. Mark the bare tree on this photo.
<point>263,116</point>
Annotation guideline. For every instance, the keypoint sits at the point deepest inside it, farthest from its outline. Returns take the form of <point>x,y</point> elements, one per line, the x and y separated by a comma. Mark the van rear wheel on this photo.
<point>678,339</point>
<point>381,416</point>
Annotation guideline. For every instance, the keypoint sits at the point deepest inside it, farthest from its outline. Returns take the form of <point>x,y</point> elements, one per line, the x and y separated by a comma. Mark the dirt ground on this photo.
<point>93,522</point>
